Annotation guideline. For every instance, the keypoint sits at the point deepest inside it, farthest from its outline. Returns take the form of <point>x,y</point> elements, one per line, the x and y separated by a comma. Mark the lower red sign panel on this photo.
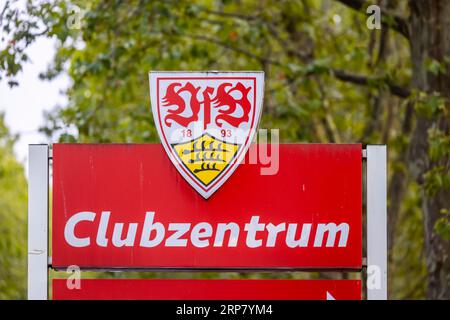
<point>181,289</point>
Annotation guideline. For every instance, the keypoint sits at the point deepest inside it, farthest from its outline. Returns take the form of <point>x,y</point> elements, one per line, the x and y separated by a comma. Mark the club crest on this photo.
<point>206,121</point>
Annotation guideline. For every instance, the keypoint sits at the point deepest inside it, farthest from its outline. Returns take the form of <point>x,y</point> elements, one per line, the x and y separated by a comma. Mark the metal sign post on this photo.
<point>376,222</point>
<point>38,222</point>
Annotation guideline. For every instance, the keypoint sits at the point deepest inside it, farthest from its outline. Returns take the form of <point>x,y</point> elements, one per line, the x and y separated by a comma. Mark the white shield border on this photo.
<point>259,98</point>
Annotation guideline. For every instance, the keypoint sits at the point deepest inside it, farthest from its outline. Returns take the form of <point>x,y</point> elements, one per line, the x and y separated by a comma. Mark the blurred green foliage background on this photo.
<point>13,220</point>
<point>329,78</point>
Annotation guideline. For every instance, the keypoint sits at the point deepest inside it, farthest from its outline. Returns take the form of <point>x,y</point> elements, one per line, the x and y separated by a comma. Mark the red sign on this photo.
<point>164,289</point>
<point>126,206</point>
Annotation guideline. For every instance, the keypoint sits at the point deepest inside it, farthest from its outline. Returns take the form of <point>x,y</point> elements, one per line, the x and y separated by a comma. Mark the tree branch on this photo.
<point>388,18</point>
<point>395,89</point>
<point>283,43</point>
<point>240,16</point>
<point>338,74</point>
<point>234,48</point>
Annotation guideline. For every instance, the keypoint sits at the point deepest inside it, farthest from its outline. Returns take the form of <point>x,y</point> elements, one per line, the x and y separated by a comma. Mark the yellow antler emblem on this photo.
<point>206,157</point>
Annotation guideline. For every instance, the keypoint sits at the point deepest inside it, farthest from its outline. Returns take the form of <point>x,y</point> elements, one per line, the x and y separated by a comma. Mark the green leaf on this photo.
<point>442,228</point>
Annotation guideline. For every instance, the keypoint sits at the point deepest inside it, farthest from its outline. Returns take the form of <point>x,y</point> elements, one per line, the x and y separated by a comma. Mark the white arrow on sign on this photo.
<point>329,296</point>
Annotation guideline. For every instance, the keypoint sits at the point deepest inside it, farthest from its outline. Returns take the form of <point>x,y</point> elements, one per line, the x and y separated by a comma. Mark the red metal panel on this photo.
<point>176,289</point>
<point>316,185</point>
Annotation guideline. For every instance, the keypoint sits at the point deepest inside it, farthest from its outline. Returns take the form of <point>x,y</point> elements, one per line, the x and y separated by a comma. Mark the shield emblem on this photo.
<point>206,122</point>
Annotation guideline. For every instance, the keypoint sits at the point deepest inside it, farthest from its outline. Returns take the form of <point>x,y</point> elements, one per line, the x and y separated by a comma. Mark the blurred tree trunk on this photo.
<point>430,39</point>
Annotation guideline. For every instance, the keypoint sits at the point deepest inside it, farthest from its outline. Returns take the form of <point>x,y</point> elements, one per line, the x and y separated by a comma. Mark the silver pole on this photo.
<point>376,222</point>
<point>38,222</point>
